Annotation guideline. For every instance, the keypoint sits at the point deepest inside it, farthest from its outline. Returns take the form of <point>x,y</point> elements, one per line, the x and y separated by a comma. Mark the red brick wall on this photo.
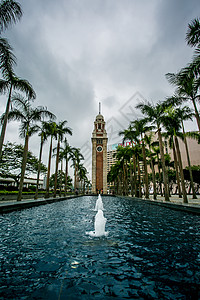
<point>99,171</point>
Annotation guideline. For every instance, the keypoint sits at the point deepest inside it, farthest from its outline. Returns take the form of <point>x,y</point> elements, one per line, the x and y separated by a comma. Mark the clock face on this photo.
<point>99,148</point>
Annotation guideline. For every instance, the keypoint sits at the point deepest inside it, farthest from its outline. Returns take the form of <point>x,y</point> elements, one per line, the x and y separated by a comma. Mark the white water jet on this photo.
<point>99,225</point>
<point>99,204</point>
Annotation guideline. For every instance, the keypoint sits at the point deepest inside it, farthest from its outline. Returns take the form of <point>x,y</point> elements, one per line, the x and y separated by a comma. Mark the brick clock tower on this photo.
<point>99,155</point>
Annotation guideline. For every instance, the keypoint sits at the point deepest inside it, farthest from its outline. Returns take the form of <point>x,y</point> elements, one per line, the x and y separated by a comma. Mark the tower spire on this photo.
<point>99,108</point>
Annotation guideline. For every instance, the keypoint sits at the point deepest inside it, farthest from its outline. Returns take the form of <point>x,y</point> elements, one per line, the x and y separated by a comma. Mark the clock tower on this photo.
<point>99,155</point>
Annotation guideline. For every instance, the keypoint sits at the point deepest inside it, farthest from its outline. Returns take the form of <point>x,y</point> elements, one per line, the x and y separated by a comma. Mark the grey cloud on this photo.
<point>77,53</point>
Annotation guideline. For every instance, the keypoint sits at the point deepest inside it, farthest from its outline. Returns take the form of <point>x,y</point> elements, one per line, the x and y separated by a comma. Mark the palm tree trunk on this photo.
<point>145,172</point>
<point>176,168</point>
<point>165,177</point>
<point>61,169</point>
<point>124,172</point>
<point>131,177</point>
<point>66,175</point>
<point>23,168</point>
<point>189,164</point>
<point>75,175</point>
<point>196,113</point>
<point>56,171</point>
<point>49,168</point>
<point>153,177</point>
<point>3,130</point>
<point>83,186</point>
<point>117,186</point>
<point>134,171</point>
<point>139,180</point>
<point>126,178</point>
<point>159,174</point>
<point>39,168</point>
<point>185,200</point>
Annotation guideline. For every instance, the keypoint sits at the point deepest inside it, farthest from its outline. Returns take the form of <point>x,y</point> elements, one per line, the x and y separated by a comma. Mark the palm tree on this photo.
<point>142,128</point>
<point>193,33</point>
<point>82,175</point>
<point>114,175</point>
<point>9,84</point>
<point>193,40</point>
<point>43,133</point>
<point>28,116</point>
<point>61,130</point>
<point>172,121</point>
<point>76,159</point>
<point>192,70</point>
<point>186,89</point>
<point>170,136</point>
<point>51,131</point>
<point>138,157</point>
<point>155,115</point>
<point>133,136</point>
<point>151,144</point>
<point>123,154</point>
<point>10,12</point>
<point>66,153</point>
<point>7,58</point>
<point>185,113</point>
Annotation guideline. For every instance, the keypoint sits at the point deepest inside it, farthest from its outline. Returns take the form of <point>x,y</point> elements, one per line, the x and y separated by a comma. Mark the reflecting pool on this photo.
<point>150,252</point>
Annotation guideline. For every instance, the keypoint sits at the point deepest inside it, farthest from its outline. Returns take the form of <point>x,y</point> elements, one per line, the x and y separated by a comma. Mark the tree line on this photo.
<point>40,120</point>
<point>163,120</point>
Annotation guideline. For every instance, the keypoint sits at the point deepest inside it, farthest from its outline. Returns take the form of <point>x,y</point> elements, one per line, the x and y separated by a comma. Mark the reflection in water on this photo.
<point>150,253</point>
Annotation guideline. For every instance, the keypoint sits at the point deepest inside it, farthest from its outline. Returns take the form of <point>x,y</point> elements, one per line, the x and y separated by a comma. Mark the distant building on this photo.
<point>193,146</point>
<point>194,152</point>
<point>27,182</point>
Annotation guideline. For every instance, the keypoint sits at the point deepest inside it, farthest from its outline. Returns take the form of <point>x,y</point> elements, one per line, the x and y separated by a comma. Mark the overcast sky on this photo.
<point>77,53</point>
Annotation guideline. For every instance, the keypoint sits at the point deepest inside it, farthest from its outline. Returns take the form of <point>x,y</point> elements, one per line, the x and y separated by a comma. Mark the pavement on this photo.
<point>175,199</point>
<point>12,205</point>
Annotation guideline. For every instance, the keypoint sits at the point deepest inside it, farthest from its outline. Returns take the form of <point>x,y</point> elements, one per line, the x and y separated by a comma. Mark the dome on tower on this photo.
<point>99,117</point>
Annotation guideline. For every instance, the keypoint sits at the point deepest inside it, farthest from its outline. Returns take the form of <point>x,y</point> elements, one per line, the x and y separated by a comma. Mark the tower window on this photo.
<point>99,126</point>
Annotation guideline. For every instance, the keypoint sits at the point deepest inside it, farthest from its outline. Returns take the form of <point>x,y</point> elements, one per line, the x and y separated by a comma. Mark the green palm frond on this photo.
<point>175,100</point>
<point>28,115</point>
<point>7,59</point>
<point>193,33</point>
<point>15,115</point>
<point>146,108</point>
<point>4,86</point>
<point>23,129</point>
<point>62,129</point>
<point>10,12</point>
<point>33,129</point>
<point>24,86</point>
<point>172,78</point>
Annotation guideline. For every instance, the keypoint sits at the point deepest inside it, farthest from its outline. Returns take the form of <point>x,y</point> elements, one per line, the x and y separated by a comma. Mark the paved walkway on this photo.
<point>177,200</point>
<point>8,206</point>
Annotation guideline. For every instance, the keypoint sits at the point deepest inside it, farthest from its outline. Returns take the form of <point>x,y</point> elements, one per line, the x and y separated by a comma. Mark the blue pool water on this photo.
<point>150,252</point>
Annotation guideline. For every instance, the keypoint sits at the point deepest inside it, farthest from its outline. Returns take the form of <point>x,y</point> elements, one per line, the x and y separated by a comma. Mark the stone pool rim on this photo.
<point>14,206</point>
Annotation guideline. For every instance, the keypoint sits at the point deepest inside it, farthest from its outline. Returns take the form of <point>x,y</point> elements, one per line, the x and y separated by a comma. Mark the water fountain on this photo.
<point>100,220</point>
<point>99,203</point>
